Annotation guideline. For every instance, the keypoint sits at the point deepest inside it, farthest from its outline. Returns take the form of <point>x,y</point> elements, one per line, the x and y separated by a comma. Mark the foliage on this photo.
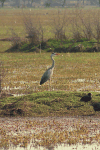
<point>47,4</point>
<point>53,45</point>
<point>47,104</point>
<point>2,1</point>
<point>68,27</point>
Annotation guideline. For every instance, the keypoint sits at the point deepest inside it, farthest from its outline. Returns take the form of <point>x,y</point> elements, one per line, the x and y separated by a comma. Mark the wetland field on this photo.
<point>75,75</point>
<point>72,72</point>
<point>31,116</point>
<point>50,133</point>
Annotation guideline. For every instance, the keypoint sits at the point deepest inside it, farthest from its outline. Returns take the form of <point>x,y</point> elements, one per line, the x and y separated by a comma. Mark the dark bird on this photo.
<point>96,106</point>
<point>86,98</point>
<point>49,72</point>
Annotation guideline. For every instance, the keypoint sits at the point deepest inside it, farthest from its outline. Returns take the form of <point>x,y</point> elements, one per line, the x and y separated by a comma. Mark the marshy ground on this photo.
<point>73,72</point>
<point>75,75</point>
<point>72,122</point>
<point>50,132</point>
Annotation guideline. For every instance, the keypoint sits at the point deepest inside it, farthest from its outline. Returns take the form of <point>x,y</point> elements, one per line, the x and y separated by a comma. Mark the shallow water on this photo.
<point>17,126</point>
<point>62,147</point>
<point>77,84</point>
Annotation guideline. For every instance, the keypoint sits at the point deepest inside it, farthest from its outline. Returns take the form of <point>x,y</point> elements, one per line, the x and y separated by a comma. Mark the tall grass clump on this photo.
<point>34,31</point>
<point>59,25</point>
<point>15,39</point>
<point>97,28</point>
<point>76,30</point>
<point>86,21</point>
<point>31,30</point>
<point>86,24</point>
<point>82,26</point>
<point>65,26</point>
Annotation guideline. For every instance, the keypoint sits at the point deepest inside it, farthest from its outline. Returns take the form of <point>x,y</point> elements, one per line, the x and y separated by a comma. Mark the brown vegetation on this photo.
<point>40,25</point>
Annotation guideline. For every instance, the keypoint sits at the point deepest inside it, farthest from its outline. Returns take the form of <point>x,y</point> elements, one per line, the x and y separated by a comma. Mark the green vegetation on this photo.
<point>47,104</point>
<point>75,74</point>
<point>50,132</point>
<point>63,30</point>
<point>53,45</point>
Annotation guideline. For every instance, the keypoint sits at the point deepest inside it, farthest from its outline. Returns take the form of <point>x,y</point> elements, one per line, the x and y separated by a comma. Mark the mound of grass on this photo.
<point>83,45</point>
<point>47,104</point>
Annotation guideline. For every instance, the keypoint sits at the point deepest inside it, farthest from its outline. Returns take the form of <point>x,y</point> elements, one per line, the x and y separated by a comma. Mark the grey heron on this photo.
<point>49,72</point>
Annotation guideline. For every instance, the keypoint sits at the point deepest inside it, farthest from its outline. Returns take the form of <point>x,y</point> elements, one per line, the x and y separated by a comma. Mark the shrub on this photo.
<point>32,32</point>
<point>15,39</point>
<point>59,26</point>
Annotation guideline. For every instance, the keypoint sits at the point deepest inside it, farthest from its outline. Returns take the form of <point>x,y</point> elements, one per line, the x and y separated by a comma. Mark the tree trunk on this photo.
<point>28,2</point>
<point>77,2</point>
<point>64,3</point>
<point>83,2</point>
<point>28,5</point>
<point>2,4</point>
<point>31,2</point>
<point>17,3</point>
<point>24,2</point>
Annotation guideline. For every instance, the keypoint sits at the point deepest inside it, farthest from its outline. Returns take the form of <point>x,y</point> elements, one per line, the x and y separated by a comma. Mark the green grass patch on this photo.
<point>53,45</point>
<point>47,104</point>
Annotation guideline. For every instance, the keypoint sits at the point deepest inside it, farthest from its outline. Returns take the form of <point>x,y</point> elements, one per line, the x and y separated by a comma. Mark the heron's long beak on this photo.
<point>57,54</point>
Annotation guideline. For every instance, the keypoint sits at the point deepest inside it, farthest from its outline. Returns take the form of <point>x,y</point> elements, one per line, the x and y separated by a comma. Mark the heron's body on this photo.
<point>48,73</point>
<point>46,76</point>
<point>86,98</point>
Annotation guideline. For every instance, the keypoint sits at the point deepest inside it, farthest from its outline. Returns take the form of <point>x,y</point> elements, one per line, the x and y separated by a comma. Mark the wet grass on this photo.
<point>72,72</point>
<point>48,132</point>
<point>75,75</point>
<point>53,45</point>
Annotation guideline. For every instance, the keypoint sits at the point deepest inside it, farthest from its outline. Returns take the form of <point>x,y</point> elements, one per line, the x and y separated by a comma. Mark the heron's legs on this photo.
<point>50,84</point>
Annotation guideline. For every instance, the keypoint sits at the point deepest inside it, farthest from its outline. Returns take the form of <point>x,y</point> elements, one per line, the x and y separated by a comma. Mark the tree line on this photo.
<point>46,3</point>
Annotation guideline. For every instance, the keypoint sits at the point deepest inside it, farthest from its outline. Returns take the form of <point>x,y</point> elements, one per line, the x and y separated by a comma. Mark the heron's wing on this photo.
<point>46,76</point>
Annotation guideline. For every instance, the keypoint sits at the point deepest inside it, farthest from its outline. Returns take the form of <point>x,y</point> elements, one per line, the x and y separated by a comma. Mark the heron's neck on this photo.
<point>53,62</point>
